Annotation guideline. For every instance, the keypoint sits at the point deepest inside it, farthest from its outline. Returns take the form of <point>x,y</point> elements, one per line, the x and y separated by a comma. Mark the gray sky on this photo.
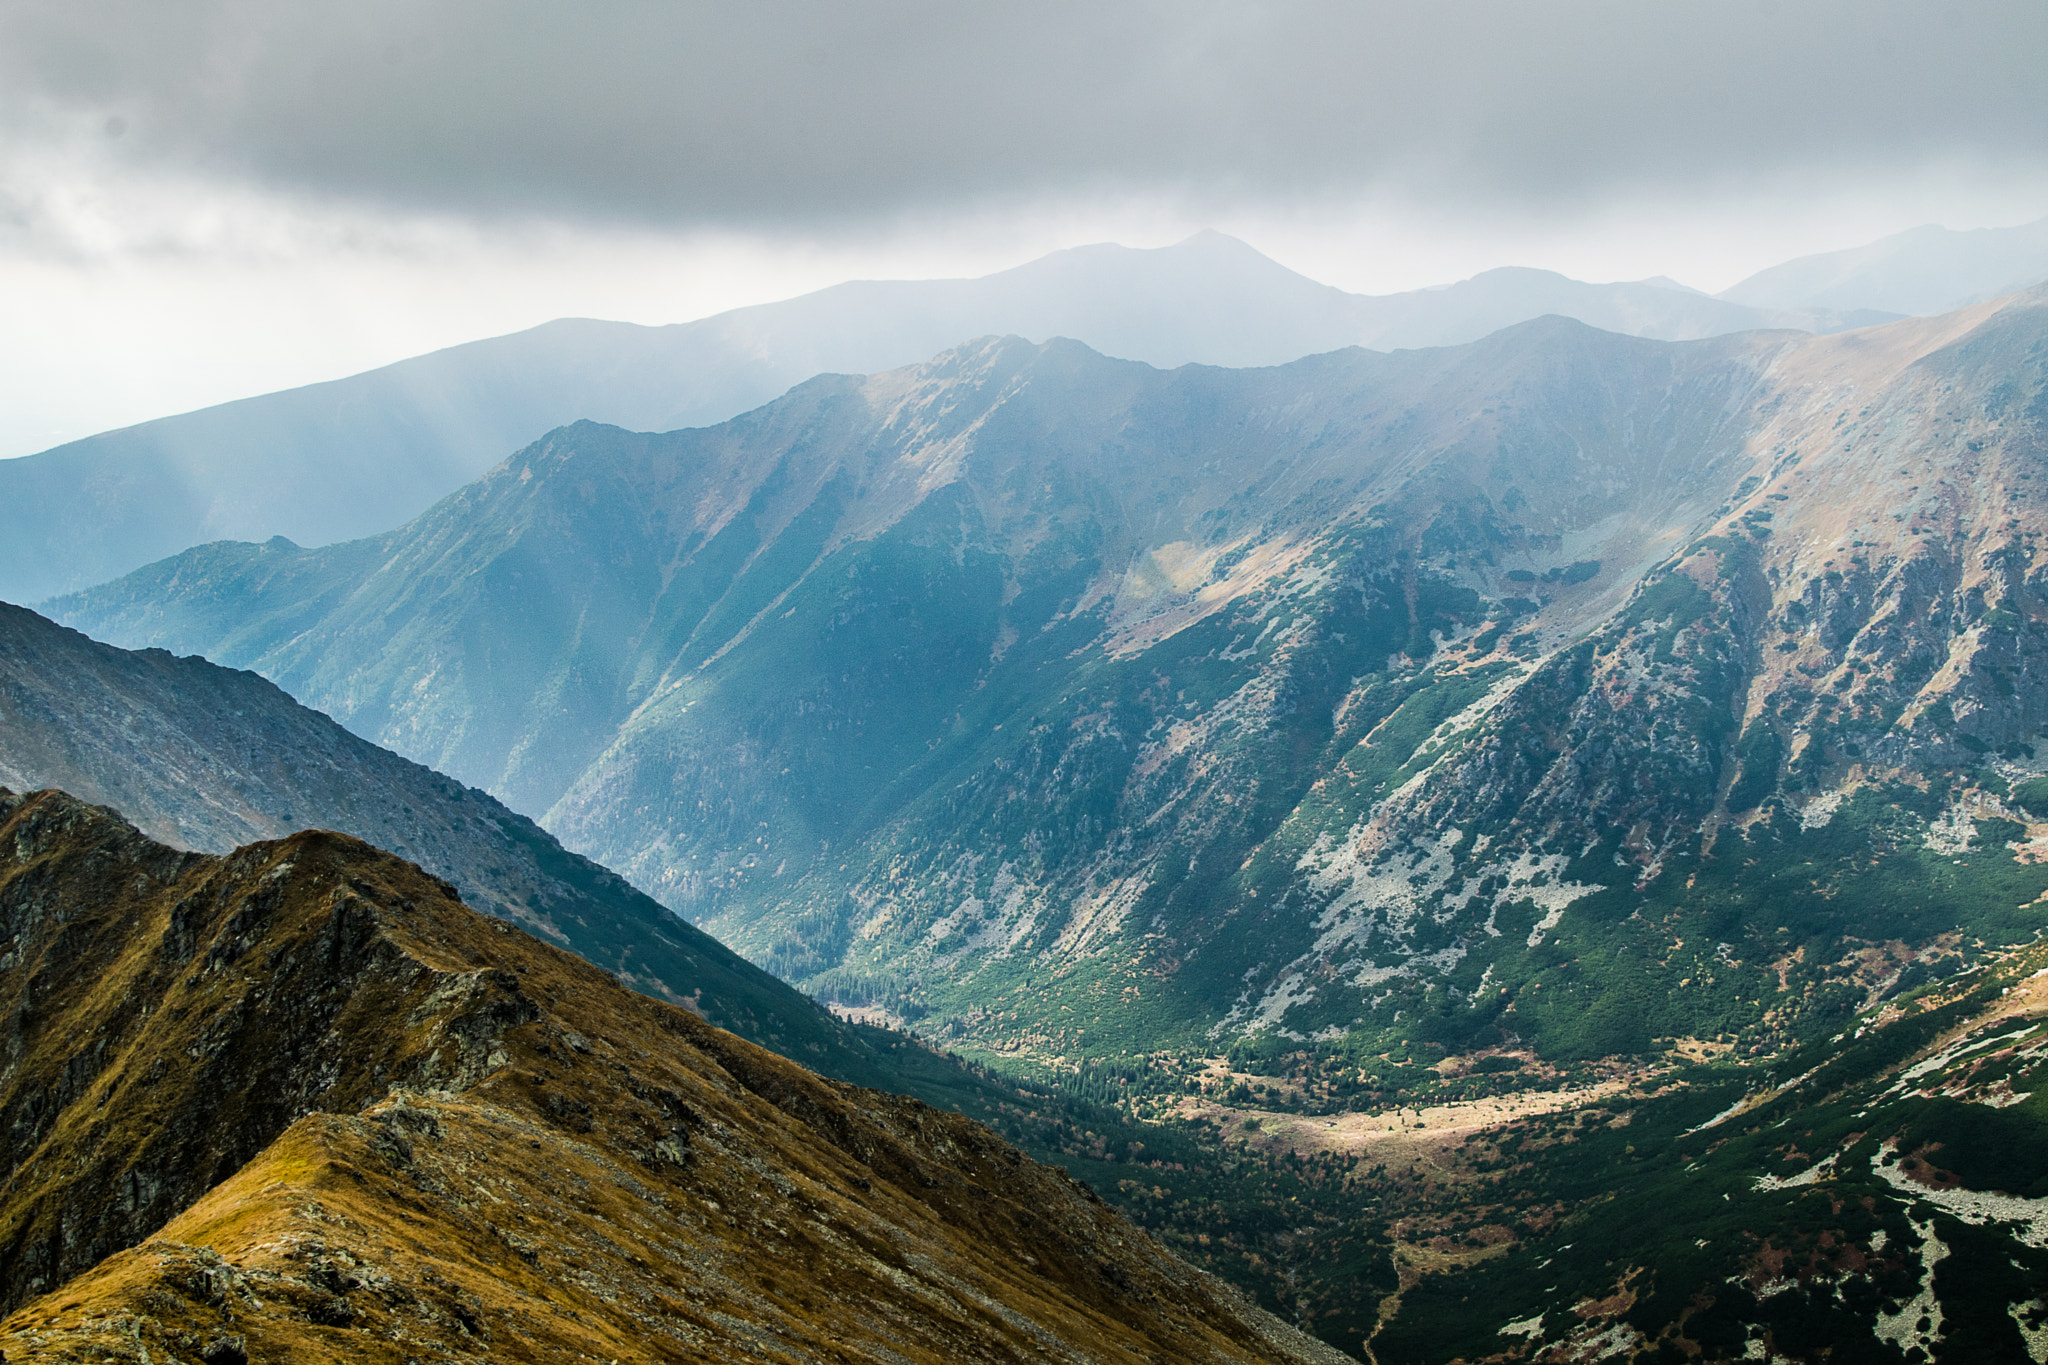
<point>210,198</point>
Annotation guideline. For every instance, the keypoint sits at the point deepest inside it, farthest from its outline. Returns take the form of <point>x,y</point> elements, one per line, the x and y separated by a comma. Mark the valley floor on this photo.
<point>1403,1129</point>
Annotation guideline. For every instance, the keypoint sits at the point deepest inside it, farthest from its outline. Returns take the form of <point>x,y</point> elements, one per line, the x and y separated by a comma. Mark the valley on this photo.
<point>1503,852</point>
<point>942,684</point>
<point>208,759</point>
<point>1705,1212</point>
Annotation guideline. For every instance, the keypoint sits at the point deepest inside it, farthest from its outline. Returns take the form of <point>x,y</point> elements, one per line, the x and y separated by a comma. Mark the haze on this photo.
<point>225,198</point>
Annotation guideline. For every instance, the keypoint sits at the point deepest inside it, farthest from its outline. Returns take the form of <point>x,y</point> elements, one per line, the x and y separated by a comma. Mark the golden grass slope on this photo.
<point>299,1104</point>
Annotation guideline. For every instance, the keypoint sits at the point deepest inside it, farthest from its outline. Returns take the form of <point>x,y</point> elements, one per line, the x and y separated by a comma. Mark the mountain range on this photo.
<point>1524,850</point>
<point>329,1113</point>
<point>1410,701</point>
<point>211,759</point>
<point>1924,271</point>
<point>357,456</point>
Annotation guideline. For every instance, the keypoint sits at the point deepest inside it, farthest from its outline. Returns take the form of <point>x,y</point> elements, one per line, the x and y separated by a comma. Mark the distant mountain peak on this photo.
<point>1924,270</point>
<point>1518,272</point>
<point>358,456</point>
<point>1666,282</point>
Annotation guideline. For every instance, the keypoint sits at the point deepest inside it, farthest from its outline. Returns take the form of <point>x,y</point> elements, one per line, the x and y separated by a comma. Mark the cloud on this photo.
<point>211,198</point>
<point>784,116</point>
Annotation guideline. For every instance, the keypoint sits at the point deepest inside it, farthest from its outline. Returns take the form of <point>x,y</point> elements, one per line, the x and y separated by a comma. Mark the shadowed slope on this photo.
<point>208,758</point>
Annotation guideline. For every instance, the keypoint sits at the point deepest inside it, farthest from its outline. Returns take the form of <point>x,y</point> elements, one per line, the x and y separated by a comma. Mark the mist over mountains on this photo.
<point>1567,743</point>
<point>1213,699</point>
<point>1137,808</point>
<point>1465,796</point>
<point>1925,270</point>
<point>356,456</point>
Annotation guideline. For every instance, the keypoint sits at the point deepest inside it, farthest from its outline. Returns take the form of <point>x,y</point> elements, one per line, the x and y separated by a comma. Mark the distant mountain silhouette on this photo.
<point>356,456</point>
<point>1926,270</point>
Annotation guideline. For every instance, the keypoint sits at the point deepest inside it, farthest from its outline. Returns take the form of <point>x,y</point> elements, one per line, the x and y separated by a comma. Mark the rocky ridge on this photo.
<point>1861,615</point>
<point>298,1102</point>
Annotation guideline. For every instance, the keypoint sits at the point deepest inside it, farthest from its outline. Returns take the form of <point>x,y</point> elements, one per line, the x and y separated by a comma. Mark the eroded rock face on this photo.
<point>300,1101</point>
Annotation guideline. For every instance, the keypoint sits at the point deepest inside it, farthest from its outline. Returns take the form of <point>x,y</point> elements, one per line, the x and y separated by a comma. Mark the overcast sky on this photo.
<point>204,199</point>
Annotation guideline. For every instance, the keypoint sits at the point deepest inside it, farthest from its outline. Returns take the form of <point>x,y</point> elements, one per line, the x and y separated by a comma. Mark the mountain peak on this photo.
<point>1666,282</point>
<point>1212,240</point>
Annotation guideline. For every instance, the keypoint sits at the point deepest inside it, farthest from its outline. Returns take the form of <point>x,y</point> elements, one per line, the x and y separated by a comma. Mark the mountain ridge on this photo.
<point>341,1113</point>
<point>913,411</point>
<point>1216,703</point>
<point>216,758</point>
<point>209,759</point>
<point>356,456</point>
<point>1924,270</point>
<point>1560,821</point>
